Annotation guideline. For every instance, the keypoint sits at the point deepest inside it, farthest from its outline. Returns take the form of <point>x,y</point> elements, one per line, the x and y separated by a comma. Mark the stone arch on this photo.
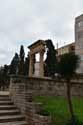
<point>37,47</point>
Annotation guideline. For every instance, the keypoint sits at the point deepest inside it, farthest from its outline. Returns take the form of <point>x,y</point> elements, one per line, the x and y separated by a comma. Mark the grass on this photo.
<point>58,108</point>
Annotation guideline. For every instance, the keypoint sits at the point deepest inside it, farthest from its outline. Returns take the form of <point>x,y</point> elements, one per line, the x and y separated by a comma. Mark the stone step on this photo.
<point>4,92</point>
<point>7,107</point>
<point>5,119</point>
<point>5,99</point>
<point>6,103</point>
<point>9,112</point>
<point>14,123</point>
<point>4,96</point>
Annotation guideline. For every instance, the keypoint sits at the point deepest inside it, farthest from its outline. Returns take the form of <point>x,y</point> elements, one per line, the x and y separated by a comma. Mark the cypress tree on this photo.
<point>51,60</point>
<point>26,66</point>
<point>14,64</point>
<point>21,60</point>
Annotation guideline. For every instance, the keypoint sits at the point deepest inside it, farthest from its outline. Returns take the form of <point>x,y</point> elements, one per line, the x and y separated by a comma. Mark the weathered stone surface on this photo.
<point>22,90</point>
<point>21,94</point>
<point>9,114</point>
<point>44,86</point>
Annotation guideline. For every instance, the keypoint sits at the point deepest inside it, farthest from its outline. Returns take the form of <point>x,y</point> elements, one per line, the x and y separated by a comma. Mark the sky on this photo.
<point>23,22</point>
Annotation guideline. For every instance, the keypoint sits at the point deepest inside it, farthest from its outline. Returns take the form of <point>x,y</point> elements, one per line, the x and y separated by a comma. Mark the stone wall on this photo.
<point>22,89</point>
<point>46,86</point>
<point>22,98</point>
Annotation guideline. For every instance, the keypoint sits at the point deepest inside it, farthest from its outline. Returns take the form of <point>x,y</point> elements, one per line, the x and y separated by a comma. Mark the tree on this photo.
<point>67,66</point>
<point>21,60</point>
<point>26,66</point>
<point>51,60</point>
<point>4,76</point>
<point>1,76</point>
<point>14,64</point>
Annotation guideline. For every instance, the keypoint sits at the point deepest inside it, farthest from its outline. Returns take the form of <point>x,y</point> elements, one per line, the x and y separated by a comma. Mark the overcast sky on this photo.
<point>25,21</point>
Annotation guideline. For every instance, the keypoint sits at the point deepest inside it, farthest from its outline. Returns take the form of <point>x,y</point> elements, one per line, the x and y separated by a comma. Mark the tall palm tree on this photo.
<point>67,66</point>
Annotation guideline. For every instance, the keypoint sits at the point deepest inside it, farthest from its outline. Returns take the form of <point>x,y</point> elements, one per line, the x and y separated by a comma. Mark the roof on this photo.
<point>67,45</point>
<point>37,43</point>
<point>79,18</point>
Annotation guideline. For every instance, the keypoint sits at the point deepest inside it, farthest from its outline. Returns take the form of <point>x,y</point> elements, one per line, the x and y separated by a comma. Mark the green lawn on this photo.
<point>58,108</point>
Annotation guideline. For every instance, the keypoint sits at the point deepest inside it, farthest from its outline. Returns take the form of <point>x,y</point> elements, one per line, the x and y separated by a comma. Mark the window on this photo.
<point>72,49</point>
<point>80,24</point>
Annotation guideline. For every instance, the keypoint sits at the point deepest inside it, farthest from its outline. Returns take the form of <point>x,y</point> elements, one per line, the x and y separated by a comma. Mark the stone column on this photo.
<point>41,65</point>
<point>30,65</point>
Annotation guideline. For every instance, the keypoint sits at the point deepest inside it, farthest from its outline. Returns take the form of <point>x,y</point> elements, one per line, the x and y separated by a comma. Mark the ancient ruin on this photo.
<point>37,47</point>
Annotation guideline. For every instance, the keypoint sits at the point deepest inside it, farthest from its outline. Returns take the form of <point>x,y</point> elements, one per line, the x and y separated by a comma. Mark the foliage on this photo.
<point>51,60</point>
<point>67,65</point>
<point>44,113</point>
<point>19,65</point>
<point>14,64</point>
<point>21,61</point>
<point>4,76</point>
<point>26,66</point>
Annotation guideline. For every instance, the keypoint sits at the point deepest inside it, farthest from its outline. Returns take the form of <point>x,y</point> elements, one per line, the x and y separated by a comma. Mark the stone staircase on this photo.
<point>9,114</point>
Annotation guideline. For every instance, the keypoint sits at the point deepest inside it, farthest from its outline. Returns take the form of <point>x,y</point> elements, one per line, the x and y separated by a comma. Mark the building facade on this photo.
<point>66,49</point>
<point>77,46</point>
<point>79,40</point>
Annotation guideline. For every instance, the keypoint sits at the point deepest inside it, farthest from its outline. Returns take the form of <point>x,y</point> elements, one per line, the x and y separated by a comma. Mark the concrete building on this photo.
<point>79,40</point>
<point>77,46</point>
<point>66,49</point>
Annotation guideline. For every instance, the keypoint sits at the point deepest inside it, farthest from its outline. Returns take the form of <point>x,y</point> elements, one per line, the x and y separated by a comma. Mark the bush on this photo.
<point>76,122</point>
<point>44,113</point>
